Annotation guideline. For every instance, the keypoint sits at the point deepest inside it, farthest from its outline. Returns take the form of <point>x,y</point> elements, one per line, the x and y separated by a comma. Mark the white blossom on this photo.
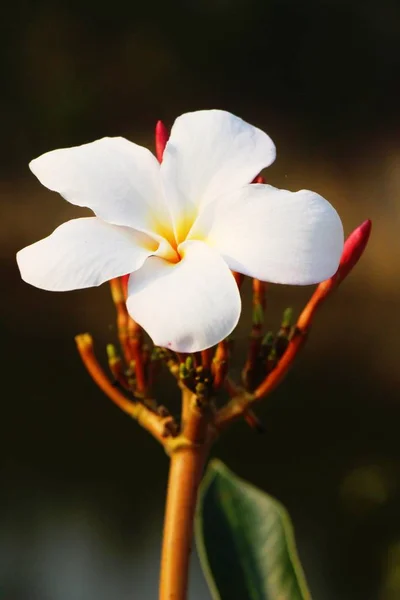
<point>179,228</point>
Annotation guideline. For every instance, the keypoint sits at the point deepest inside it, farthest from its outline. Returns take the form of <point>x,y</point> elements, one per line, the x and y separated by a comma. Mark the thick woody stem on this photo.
<point>187,395</point>
<point>188,455</point>
<point>159,427</point>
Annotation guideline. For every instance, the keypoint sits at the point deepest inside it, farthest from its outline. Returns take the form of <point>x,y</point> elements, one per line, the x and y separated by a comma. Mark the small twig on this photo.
<point>220,364</point>
<point>118,296</point>
<point>135,339</point>
<point>207,358</point>
<point>159,427</point>
<point>352,252</point>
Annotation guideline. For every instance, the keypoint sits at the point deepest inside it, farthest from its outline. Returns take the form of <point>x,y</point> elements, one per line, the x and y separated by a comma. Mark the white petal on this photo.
<point>83,253</point>
<point>187,306</point>
<point>210,152</point>
<point>274,235</point>
<point>118,180</point>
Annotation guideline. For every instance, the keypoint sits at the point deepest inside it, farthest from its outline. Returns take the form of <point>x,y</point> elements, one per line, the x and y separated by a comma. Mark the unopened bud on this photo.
<point>162,135</point>
<point>111,352</point>
<point>282,338</point>
<point>353,249</point>
<point>271,360</point>
<point>287,318</point>
<point>201,391</point>
<point>116,366</point>
<point>258,314</point>
<point>84,341</point>
<point>183,371</point>
<point>268,339</point>
<point>116,291</point>
<point>124,285</point>
<point>189,363</point>
<point>259,179</point>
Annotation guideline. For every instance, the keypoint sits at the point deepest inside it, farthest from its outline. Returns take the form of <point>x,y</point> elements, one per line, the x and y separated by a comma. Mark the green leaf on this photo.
<point>245,541</point>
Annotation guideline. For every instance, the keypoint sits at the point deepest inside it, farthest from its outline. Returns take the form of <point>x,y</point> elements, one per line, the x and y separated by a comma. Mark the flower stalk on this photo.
<point>188,456</point>
<point>159,426</point>
<point>177,226</point>
<point>202,377</point>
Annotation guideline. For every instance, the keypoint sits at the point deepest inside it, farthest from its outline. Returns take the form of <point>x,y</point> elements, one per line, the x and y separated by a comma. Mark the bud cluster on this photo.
<point>204,377</point>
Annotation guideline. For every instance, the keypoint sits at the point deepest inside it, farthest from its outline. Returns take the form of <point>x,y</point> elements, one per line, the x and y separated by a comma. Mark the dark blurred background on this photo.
<point>82,487</point>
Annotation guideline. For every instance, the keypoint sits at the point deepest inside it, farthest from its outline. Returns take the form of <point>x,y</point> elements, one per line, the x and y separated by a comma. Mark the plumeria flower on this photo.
<point>180,227</point>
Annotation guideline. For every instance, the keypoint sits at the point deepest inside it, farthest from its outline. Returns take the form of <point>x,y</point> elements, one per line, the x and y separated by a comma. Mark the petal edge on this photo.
<point>274,235</point>
<point>83,253</point>
<point>188,306</point>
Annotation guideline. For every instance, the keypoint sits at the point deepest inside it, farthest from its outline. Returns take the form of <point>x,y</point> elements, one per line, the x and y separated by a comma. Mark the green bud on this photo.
<point>155,354</point>
<point>183,371</point>
<point>189,363</point>
<point>287,318</point>
<point>268,339</point>
<point>258,314</point>
<point>201,390</point>
<point>111,351</point>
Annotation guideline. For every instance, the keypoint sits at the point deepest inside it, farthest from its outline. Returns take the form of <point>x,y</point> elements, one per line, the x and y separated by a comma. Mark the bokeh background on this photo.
<point>82,487</point>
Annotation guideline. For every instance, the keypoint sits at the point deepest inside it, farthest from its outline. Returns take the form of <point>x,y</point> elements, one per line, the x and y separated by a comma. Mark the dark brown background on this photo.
<point>81,486</point>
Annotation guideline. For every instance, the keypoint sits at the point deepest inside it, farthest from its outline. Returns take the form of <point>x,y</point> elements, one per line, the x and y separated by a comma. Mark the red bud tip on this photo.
<point>162,135</point>
<point>259,179</point>
<point>353,249</point>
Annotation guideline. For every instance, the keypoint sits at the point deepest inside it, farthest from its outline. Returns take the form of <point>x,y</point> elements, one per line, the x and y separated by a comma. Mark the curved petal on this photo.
<point>209,153</point>
<point>83,253</point>
<point>274,235</point>
<point>188,306</point>
<point>118,180</point>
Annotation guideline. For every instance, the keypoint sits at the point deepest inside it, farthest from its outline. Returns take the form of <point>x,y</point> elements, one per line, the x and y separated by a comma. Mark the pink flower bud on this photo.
<point>353,249</point>
<point>162,135</point>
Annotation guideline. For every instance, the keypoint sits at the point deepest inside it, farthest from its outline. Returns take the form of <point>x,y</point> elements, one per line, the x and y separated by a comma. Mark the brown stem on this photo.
<point>135,336</point>
<point>118,297</point>
<point>184,478</point>
<point>219,367</point>
<point>187,395</point>
<point>157,425</point>
<point>188,455</point>
<point>239,405</point>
